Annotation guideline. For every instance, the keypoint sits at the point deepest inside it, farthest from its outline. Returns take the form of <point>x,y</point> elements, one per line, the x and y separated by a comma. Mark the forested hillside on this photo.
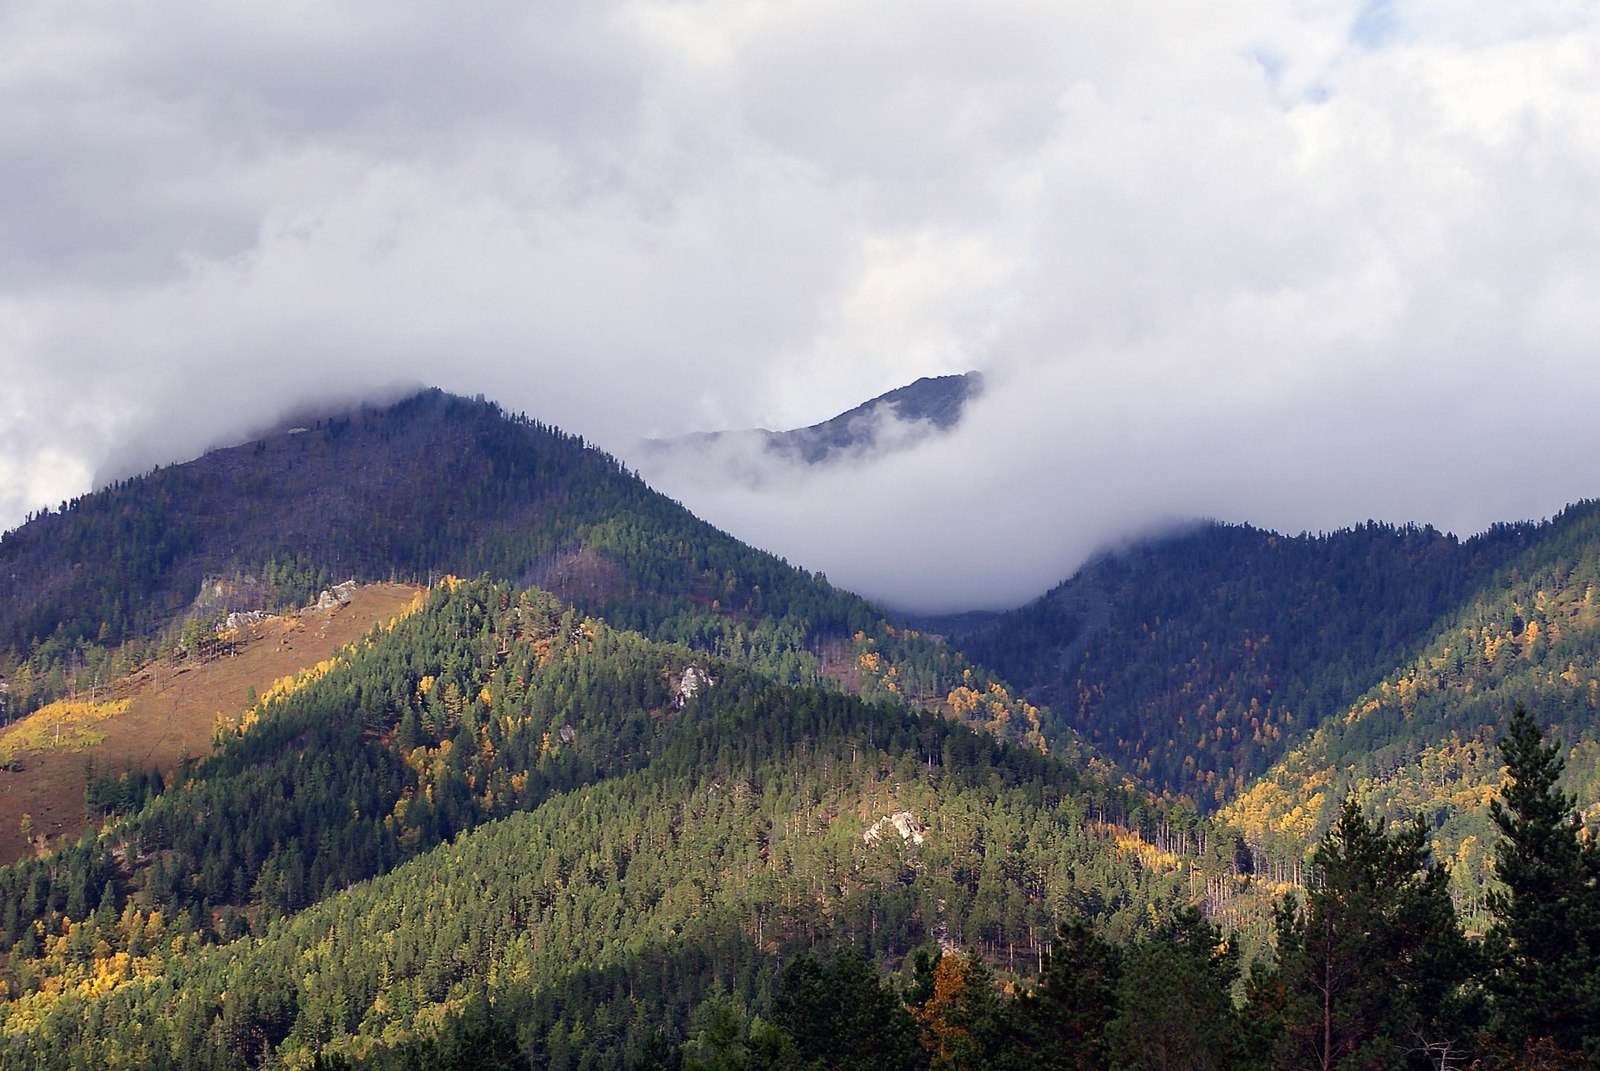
<point>432,485</point>
<point>562,819</point>
<point>1198,660</point>
<point>1421,742</point>
<point>1269,678</point>
<point>502,835</point>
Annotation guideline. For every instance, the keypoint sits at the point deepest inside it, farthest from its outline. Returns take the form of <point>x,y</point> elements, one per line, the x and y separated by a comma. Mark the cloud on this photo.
<point>1294,264</point>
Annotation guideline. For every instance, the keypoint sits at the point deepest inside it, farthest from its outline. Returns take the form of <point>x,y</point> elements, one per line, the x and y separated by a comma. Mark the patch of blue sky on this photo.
<point>1375,25</point>
<point>1274,68</point>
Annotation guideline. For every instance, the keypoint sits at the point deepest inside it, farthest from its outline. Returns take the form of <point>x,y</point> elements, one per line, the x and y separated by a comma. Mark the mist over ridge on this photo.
<point>871,513</point>
<point>1296,268</point>
<point>738,683</point>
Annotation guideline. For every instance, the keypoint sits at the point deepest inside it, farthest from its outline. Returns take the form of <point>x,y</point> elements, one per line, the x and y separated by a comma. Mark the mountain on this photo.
<point>1421,742</point>
<point>497,799</point>
<point>1266,677</point>
<point>935,401</point>
<point>633,794</point>
<point>431,485</point>
<point>896,420</point>
<point>1198,659</point>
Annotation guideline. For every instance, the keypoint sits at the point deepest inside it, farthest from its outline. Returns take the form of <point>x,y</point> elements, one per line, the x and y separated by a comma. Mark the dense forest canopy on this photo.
<point>568,799</point>
<point>502,827</point>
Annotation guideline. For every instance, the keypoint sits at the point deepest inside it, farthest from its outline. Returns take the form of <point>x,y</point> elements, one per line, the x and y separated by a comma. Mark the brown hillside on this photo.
<point>171,708</point>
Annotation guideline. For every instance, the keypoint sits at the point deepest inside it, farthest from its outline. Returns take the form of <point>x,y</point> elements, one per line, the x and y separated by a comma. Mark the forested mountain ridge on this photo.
<point>1269,678</point>
<point>1421,742</point>
<point>575,813</point>
<point>431,485</point>
<point>1198,660</point>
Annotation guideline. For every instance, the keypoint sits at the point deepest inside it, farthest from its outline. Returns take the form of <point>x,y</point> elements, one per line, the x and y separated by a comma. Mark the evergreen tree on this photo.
<point>842,1018</point>
<point>725,1038</point>
<point>1545,944</point>
<point>1062,1024</point>
<point>1371,971</point>
<point>1175,1000</point>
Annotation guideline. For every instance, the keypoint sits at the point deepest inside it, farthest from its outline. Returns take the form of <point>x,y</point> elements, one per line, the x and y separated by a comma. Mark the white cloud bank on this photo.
<point>1298,263</point>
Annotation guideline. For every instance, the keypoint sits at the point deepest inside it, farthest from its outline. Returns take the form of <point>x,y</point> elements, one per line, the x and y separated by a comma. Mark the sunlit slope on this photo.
<point>165,711</point>
<point>1422,741</point>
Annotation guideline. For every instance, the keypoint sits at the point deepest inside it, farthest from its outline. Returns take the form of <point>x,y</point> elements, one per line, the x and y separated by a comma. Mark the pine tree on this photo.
<point>1175,1000</point>
<point>841,1016</point>
<point>1371,971</point>
<point>1545,943</point>
<point>1063,1022</point>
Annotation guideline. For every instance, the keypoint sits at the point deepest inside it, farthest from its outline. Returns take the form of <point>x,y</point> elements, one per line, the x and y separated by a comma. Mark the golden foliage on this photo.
<point>68,723</point>
<point>941,1037</point>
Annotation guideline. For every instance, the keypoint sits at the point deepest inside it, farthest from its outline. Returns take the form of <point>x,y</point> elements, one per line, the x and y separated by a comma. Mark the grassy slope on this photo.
<point>162,713</point>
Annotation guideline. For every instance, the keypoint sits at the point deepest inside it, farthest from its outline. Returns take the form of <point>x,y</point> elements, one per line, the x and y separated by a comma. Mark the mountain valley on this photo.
<point>572,779</point>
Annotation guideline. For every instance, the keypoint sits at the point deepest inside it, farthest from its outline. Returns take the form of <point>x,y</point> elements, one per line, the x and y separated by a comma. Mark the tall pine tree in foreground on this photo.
<point>1175,1000</point>
<point>1545,943</point>
<point>1372,969</point>
<point>841,1016</point>
<point>1062,1023</point>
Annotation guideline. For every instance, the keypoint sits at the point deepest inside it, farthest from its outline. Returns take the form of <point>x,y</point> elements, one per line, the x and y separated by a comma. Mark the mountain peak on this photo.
<point>894,421</point>
<point>938,401</point>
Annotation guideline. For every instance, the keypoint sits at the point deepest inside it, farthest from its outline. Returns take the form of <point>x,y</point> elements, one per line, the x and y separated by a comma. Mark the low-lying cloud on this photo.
<point>1295,265</point>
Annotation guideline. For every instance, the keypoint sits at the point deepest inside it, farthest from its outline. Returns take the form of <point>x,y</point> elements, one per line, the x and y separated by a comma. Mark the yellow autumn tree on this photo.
<point>957,1020</point>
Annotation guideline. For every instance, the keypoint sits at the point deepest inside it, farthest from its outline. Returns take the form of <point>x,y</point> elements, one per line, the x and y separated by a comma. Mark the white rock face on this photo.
<point>338,595</point>
<point>905,823</point>
<point>240,618</point>
<point>694,678</point>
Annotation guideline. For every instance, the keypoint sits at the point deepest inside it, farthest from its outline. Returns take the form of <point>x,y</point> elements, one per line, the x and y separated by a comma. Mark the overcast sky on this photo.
<point>1299,264</point>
